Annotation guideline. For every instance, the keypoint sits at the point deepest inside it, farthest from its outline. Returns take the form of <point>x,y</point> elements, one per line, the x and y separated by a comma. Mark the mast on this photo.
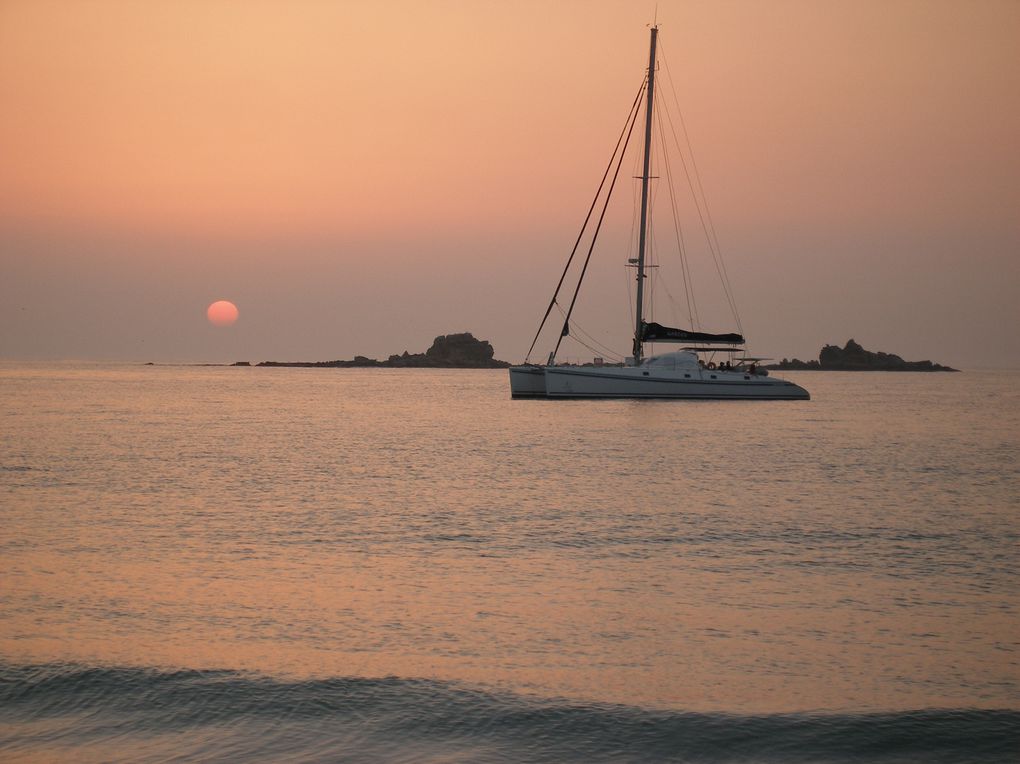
<point>642,235</point>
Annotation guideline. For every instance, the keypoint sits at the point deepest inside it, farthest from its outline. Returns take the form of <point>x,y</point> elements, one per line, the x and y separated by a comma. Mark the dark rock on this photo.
<point>461,351</point>
<point>853,357</point>
<point>450,351</point>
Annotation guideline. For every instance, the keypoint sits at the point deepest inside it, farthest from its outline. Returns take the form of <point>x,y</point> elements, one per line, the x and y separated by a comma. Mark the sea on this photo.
<point>202,563</point>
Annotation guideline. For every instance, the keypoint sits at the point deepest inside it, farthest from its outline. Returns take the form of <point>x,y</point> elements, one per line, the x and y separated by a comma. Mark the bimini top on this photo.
<point>714,350</point>
<point>678,359</point>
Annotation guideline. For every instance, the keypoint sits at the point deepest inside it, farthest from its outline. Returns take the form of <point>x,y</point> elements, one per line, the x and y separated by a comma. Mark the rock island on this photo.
<point>853,357</point>
<point>449,351</point>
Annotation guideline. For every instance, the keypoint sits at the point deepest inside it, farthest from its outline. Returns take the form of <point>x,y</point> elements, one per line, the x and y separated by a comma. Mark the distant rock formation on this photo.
<point>853,357</point>
<point>449,351</point>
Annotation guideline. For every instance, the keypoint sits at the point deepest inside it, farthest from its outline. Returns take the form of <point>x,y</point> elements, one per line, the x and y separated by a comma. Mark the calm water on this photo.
<point>405,565</point>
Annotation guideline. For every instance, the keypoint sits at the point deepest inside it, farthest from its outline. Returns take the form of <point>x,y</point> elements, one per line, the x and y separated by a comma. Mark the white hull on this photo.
<point>527,382</point>
<point>640,382</point>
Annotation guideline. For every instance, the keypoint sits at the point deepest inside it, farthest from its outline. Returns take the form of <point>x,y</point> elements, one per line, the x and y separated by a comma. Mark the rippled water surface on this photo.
<point>384,565</point>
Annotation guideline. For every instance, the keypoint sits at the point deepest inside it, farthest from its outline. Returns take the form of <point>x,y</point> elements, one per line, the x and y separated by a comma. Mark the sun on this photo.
<point>221,313</point>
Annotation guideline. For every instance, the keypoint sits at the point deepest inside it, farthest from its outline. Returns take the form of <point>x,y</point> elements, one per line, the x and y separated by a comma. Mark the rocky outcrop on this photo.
<point>449,351</point>
<point>457,351</point>
<point>853,357</point>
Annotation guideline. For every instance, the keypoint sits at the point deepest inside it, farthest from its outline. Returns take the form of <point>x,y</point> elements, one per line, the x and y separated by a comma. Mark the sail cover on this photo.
<point>652,332</point>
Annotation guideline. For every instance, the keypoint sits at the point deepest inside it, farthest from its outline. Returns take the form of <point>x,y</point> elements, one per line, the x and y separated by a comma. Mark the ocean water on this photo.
<point>245,564</point>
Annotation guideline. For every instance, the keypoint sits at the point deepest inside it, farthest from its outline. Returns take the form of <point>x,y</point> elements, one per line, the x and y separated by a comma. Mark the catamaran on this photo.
<point>683,373</point>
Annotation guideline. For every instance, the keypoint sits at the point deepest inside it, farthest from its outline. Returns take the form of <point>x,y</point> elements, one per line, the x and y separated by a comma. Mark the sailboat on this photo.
<point>682,373</point>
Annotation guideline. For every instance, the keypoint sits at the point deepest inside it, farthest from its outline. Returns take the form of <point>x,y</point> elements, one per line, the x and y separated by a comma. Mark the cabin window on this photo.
<point>688,376</point>
<point>713,376</point>
<point>645,373</point>
<point>746,377</point>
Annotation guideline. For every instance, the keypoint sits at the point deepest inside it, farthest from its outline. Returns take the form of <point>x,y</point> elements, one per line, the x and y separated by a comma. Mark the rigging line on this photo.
<point>716,258</point>
<point>697,175</point>
<point>605,350</point>
<point>634,107</point>
<point>657,279</point>
<point>653,200</point>
<point>704,197</point>
<point>595,235</point>
<point>661,283</point>
<point>690,151</point>
<point>685,271</point>
<point>636,171</point>
<point>689,281</point>
<point>634,214</point>
<point>576,326</point>
<point>613,356</point>
<point>652,252</point>
<point>652,266</point>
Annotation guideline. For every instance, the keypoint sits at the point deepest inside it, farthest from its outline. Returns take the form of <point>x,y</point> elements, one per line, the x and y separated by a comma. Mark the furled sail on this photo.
<point>653,332</point>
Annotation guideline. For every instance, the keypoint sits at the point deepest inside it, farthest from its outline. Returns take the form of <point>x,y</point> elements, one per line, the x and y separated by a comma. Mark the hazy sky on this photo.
<point>359,177</point>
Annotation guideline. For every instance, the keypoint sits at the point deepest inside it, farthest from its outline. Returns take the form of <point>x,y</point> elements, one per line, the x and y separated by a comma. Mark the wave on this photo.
<point>60,711</point>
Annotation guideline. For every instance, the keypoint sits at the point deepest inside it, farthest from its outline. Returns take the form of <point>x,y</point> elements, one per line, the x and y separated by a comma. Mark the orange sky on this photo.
<point>359,176</point>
